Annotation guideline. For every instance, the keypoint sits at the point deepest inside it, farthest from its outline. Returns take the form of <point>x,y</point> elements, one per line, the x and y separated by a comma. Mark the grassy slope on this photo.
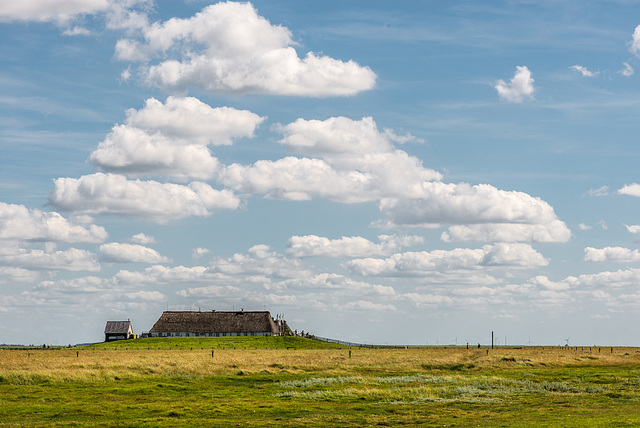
<point>318,387</point>
<point>239,342</point>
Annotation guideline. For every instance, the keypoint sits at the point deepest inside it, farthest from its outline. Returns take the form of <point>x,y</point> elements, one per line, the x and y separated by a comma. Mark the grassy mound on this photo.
<point>193,343</point>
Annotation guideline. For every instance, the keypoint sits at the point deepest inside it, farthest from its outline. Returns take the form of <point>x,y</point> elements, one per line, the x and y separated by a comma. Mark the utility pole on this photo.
<point>492,340</point>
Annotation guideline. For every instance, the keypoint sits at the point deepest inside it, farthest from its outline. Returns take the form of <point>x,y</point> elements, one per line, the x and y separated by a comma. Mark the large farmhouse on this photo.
<point>218,324</point>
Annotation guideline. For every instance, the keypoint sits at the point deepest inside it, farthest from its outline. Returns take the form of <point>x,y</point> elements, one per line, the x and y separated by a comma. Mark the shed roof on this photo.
<point>215,322</point>
<point>118,327</point>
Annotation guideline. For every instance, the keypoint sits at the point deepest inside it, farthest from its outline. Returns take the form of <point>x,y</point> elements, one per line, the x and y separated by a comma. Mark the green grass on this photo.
<point>233,342</point>
<point>167,383</point>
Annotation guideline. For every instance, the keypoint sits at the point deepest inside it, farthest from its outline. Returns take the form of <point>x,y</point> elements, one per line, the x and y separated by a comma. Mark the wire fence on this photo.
<point>353,344</point>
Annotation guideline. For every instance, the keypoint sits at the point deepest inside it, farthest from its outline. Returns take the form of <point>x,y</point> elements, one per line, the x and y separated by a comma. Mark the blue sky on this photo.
<point>422,173</point>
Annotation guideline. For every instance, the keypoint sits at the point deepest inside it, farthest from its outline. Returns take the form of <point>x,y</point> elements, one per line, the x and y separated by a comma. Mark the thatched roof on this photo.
<point>215,322</point>
<point>118,327</point>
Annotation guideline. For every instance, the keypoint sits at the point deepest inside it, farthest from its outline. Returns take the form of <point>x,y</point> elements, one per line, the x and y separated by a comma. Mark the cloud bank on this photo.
<point>228,47</point>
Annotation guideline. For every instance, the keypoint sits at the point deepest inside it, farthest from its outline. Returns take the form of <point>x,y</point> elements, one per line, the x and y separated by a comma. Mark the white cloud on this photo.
<point>152,296</point>
<point>627,71</point>
<point>601,191</point>
<point>357,163</point>
<point>365,305</point>
<point>228,47</point>
<point>334,284</point>
<point>630,190</point>
<point>189,120</point>
<point>419,263</point>
<point>130,253</point>
<point>583,226</point>
<point>442,203</point>
<point>618,279</point>
<point>76,31</point>
<point>20,223</point>
<point>49,10</point>
<point>135,152</point>
<point>635,42</point>
<point>142,239</point>
<point>172,138</point>
<point>611,254</point>
<point>347,246</point>
<point>199,252</point>
<point>298,179</point>
<point>72,259</point>
<point>520,87</point>
<point>261,261</point>
<point>114,194</point>
<point>427,300</point>
<point>16,274</point>
<point>635,229</point>
<point>553,231</point>
<point>584,71</point>
<point>259,265</point>
<point>125,75</point>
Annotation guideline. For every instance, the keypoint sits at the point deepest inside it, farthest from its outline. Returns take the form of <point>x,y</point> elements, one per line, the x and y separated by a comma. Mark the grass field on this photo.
<point>300,382</point>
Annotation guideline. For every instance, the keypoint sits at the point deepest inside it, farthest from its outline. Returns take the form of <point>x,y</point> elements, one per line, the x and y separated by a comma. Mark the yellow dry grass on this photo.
<point>70,365</point>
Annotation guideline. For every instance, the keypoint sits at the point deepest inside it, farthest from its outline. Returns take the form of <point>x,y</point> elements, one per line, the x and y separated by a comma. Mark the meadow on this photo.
<point>301,382</point>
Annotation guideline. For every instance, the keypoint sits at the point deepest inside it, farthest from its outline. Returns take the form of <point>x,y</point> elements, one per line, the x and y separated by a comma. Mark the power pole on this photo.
<point>492,340</point>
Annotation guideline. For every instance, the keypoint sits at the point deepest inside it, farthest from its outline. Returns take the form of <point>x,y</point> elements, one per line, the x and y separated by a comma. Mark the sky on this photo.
<point>376,172</point>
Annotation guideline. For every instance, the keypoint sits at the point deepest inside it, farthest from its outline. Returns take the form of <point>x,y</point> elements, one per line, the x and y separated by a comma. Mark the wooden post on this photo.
<point>212,353</point>
<point>491,340</point>
<point>349,353</point>
<point>77,354</point>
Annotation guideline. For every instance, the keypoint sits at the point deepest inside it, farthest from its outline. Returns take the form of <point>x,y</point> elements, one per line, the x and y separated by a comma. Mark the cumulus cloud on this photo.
<point>365,305</point>
<point>635,41</point>
<point>17,222</point>
<point>142,239</point>
<point>627,71</point>
<point>130,253</point>
<point>153,296</point>
<point>351,161</point>
<point>553,231</point>
<point>611,254</point>
<point>443,203</point>
<point>335,284</point>
<point>172,138</point>
<point>114,194</point>
<point>228,47</point>
<point>419,263</point>
<point>72,259</point>
<point>630,190</point>
<point>262,261</point>
<point>10,274</point>
<point>601,280</point>
<point>584,71</point>
<point>347,246</point>
<point>519,88</point>
<point>634,228</point>
<point>59,11</point>
<point>199,252</point>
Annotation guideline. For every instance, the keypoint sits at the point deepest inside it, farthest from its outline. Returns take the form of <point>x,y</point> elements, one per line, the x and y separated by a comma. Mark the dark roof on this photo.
<point>215,322</point>
<point>116,327</point>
